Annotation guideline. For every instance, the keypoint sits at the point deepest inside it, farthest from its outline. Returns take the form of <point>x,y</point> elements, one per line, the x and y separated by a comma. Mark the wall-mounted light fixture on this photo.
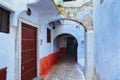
<point>52,24</point>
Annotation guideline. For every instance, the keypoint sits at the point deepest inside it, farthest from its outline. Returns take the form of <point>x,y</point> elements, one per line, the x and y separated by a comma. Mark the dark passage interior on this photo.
<point>72,47</point>
<point>66,44</point>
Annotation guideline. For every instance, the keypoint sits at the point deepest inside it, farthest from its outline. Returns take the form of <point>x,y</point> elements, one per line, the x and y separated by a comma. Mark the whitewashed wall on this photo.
<point>7,52</point>
<point>107,39</point>
<point>45,48</point>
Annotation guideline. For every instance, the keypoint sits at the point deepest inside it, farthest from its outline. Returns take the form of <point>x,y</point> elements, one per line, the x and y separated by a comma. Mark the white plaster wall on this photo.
<point>45,48</point>
<point>70,28</point>
<point>7,52</point>
<point>89,55</point>
<point>33,18</point>
<point>107,39</point>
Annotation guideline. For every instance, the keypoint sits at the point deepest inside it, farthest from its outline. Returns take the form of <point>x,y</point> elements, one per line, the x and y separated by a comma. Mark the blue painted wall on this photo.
<point>107,39</point>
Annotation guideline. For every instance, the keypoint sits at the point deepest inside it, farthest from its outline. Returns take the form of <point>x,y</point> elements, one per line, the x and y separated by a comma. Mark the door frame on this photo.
<point>18,47</point>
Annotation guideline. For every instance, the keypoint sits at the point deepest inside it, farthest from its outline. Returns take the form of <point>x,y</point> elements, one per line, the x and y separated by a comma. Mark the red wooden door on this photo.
<point>28,55</point>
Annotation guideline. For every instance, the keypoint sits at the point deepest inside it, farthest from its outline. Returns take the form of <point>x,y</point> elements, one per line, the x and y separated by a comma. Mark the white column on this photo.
<point>89,55</point>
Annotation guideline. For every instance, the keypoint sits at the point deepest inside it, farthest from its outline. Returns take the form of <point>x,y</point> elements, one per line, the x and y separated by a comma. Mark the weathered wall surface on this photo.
<point>107,39</point>
<point>89,55</point>
<point>7,52</point>
<point>44,44</point>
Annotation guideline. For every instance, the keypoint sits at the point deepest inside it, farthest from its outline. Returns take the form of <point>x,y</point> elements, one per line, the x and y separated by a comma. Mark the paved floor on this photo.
<point>65,70</point>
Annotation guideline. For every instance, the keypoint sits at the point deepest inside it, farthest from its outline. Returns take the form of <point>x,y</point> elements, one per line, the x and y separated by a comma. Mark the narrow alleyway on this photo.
<point>65,69</point>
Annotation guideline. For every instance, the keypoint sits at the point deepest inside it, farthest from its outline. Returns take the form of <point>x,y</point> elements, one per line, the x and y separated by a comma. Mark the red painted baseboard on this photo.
<point>3,74</point>
<point>47,63</point>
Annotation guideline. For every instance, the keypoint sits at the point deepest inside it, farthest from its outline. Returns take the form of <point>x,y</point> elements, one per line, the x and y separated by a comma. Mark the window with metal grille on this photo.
<point>4,20</point>
<point>48,35</point>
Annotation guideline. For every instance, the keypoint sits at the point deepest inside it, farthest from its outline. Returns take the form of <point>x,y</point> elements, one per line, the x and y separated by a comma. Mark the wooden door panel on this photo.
<point>28,34</point>
<point>29,55</point>
<point>28,66</point>
<point>29,76</point>
<point>28,44</point>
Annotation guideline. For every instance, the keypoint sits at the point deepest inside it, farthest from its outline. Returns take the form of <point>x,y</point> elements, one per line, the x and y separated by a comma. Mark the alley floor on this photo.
<point>66,69</point>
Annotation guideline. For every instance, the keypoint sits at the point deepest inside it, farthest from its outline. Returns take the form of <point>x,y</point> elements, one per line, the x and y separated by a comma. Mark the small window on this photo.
<point>48,35</point>
<point>4,20</point>
<point>68,0</point>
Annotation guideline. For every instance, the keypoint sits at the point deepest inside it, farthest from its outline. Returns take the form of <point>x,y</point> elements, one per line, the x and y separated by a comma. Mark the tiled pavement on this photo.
<point>65,70</point>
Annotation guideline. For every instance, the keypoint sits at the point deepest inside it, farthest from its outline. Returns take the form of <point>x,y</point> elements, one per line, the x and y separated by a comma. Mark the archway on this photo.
<point>76,30</point>
<point>66,44</point>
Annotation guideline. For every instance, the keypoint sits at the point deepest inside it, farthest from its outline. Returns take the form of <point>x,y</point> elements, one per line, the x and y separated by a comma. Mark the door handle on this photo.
<point>25,53</point>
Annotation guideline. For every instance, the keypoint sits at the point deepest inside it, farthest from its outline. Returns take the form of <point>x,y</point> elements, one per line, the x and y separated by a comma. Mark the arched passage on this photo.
<point>66,44</point>
<point>77,33</point>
